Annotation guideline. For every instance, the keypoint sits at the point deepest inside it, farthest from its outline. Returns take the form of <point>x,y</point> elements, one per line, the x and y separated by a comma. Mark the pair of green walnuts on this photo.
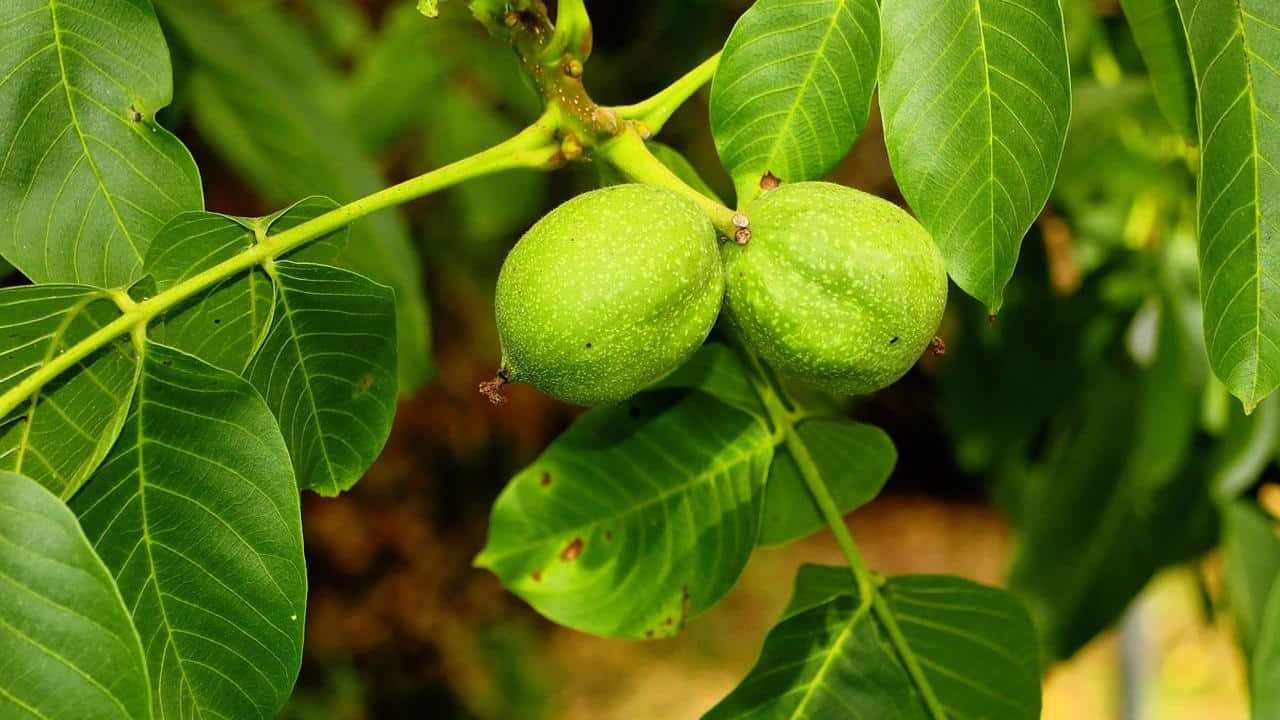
<point>616,288</point>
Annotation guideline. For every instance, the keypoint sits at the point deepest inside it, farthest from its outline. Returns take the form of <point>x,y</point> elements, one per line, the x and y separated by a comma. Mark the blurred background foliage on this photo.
<point>1073,448</point>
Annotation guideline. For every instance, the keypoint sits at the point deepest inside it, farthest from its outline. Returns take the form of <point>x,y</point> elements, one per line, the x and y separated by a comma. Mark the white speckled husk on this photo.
<point>608,293</point>
<point>837,288</point>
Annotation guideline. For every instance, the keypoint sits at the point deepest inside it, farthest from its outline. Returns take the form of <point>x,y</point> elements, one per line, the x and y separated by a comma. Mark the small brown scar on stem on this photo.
<point>493,389</point>
<point>769,181</point>
<point>938,346</point>
<point>572,551</point>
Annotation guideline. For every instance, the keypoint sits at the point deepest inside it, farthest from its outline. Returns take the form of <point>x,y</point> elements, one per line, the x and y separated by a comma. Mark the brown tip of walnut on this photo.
<point>938,346</point>
<point>494,389</point>
<point>769,181</point>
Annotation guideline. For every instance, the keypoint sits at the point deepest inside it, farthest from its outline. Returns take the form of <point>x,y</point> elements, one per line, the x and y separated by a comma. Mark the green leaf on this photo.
<point>1247,447</point>
<point>68,643</point>
<point>1094,520</point>
<point>225,324</point>
<point>1235,52</point>
<point>327,369</point>
<point>637,518</point>
<point>976,101</point>
<point>59,435</point>
<point>1251,563</point>
<point>283,136</point>
<point>793,89</point>
<point>402,65</point>
<point>854,459</point>
<point>1264,676</point>
<point>1157,30</point>
<point>87,177</point>
<point>493,207</point>
<point>196,514</point>
<point>975,646</point>
<point>717,370</point>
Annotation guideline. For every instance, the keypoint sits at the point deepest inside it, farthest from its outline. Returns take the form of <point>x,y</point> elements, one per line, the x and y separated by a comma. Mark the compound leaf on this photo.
<point>70,650</point>
<point>1235,52</point>
<point>196,514</point>
<point>277,128</point>
<point>975,647</point>
<point>976,100</point>
<point>87,177</point>
<point>225,324</point>
<point>793,89</point>
<point>61,433</point>
<point>637,518</point>
<point>327,369</point>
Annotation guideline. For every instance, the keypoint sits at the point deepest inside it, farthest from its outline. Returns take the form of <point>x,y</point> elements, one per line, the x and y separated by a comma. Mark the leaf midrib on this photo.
<point>84,144</point>
<point>1257,207</point>
<point>818,53</point>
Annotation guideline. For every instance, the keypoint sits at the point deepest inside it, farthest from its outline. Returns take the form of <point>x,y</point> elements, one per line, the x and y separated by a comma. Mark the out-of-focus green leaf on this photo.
<point>1093,524</point>
<point>1264,676</point>
<point>65,633</point>
<point>1251,563</point>
<point>1246,448</point>
<point>976,101</point>
<point>854,459</point>
<point>975,646</point>
<point>639,517</point>
<point>225,324</point>
<point>59,435</point>
<point>396,78</point>
<point>1157,29</point>
<point>1235,50</point>
<point>280,132</point>
<point>327,369</point>
<point>497,206</point>
<point>793,89</point>
<point>87,176</point>
<point>195,513</point>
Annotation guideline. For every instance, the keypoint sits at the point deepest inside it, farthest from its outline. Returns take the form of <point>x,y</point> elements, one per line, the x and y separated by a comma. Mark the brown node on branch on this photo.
<point>572,67</point>
<point>493,389</point>
<point>742,235</point>
<point>769,181</point>
<point>938,346</point>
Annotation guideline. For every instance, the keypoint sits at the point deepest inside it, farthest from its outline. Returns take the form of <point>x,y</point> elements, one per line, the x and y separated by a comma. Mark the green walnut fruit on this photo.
<point>836,287</point>
<point>608,293</point>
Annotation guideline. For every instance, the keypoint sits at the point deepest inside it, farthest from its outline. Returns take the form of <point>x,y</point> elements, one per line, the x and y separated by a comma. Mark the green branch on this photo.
<point>652,114</point>
<point>535,147</point>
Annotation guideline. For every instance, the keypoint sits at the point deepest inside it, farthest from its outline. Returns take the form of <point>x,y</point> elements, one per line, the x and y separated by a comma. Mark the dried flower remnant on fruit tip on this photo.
<point>938,346</point>
<point>493,389</point>
<point>769,181</point>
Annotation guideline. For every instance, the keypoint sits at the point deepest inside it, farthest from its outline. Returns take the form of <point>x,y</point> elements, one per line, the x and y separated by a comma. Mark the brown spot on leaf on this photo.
<point>134,115</point>
<point>769,181</point>
<point>608,536</point>
<point>684,605</point>
<point>536,576</point>
<point>669,621</point>
<point>648,634</point>
<point>362,385</point>
<point>545,479</point>
<point>572,551</point>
